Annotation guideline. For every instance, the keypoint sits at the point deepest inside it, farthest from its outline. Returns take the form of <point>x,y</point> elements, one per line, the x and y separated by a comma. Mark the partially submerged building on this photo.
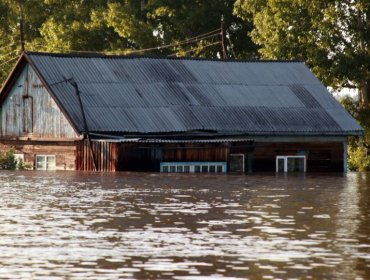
<point>119,113</point>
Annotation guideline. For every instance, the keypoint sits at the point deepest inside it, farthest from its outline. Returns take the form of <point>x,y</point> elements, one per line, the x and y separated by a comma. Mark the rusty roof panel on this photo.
<point>158,95</point>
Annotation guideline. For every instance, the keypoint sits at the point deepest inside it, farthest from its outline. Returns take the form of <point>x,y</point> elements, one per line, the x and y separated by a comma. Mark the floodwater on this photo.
<point>155,226</point>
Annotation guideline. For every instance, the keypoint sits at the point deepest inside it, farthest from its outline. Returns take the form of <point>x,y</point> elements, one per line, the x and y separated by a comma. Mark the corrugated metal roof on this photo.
<point>159,95</point>
<point>176,141</point>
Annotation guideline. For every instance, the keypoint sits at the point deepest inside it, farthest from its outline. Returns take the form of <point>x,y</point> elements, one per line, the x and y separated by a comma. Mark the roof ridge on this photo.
<point>100,55</point>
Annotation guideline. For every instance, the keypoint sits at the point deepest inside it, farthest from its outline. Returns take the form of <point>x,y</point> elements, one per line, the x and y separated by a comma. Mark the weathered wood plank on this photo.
<point>30,110</point>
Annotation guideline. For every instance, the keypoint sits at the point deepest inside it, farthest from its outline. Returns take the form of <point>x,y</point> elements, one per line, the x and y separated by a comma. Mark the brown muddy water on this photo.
<point>153,226</point>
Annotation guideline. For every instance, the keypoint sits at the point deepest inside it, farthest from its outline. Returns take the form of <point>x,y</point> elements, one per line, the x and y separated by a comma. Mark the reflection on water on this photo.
<point>153,226</point>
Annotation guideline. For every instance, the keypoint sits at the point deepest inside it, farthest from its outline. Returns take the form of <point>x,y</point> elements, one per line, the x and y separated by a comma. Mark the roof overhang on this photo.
<point>176,141</point>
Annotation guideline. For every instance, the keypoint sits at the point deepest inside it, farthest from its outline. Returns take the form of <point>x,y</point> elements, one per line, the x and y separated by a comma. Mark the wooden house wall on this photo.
<point>65,152</point>
<point>110,157</point>
<point>321,156</point>
<point>29,110</point>
<point>105,156</point>
<point>144,157</point>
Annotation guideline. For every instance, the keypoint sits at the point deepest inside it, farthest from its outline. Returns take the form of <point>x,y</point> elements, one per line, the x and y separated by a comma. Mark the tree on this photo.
<point>11,11</point>
<point>76,25</point>
<point>161,22</point>
<point>117,26</point>
<point>358,158</point>
<point>332,37</point>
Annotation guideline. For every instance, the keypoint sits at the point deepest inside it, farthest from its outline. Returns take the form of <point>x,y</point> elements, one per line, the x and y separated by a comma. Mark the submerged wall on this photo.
<point>321,156</point>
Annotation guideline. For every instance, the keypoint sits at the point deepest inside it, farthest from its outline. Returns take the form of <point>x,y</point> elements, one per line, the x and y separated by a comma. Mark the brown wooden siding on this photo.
<point>110,157</point>
<point>65,152</point>
<point>105,156</point>
<point>321,156</point>
<point>29,110</point>
<point>140,157</point>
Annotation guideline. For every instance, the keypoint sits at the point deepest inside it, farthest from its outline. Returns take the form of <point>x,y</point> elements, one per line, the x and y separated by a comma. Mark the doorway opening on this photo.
<point>237,163</point>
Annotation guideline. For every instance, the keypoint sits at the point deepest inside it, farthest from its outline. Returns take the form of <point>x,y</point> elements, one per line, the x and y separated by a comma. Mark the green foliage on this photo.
<point>23,166</point>
<point>117,26</point>
<point>332,37</point>
<point>358,159</point>
<point>358,148</point>
<point>362,115</point>
<point>7,160</point>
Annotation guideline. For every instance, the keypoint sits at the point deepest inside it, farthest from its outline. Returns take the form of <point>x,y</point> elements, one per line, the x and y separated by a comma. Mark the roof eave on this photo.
<point>234,133</point>
<point>11,79</point>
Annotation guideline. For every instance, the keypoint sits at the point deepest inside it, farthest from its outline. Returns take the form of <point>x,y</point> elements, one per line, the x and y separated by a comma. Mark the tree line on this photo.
<point>332,37</point>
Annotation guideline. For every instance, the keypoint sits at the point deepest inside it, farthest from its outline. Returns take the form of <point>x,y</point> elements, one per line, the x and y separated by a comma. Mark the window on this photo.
<point>45,162</point>
<point>193,167</point>
<point>19,157</point>
<point>291,164</point>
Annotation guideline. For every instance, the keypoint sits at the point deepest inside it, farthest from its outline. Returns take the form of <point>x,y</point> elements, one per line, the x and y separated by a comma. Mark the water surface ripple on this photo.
<point>152,226</point>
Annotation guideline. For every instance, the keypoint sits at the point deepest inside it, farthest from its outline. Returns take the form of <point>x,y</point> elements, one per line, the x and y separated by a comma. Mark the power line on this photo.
<point>204,34</point>
<point>203,47</point>
<point>184,42</point>
<point>171,45</point>
<point>5,55</point>
<point>145,50</point>
<point>16,57</point>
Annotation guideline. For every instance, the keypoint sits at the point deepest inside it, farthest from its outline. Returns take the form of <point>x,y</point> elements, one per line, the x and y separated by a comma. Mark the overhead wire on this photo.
<point>142,50</point>
<point>171,45</point>
<point>5,55</point>
<point>180,43</point>
<point>203,47</point>
<point>16,57</point>
<point>184,42</point>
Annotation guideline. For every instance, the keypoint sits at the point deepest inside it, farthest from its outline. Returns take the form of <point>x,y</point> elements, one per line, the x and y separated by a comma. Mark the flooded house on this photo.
<point>125,113</point>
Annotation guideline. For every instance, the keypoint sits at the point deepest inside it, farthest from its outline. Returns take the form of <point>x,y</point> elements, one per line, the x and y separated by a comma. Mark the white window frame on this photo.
<point>165,167</point>
<point>46,166</point>
<point>285,158</point>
